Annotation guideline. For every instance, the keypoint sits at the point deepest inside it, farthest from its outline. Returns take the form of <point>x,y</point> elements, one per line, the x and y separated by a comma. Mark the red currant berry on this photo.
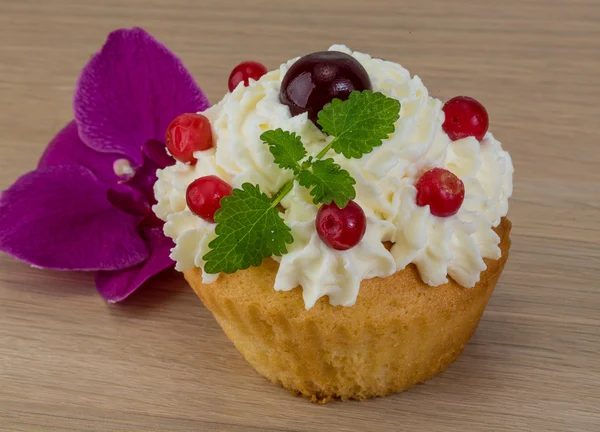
<point>465,117</point>
<point>442,191</point>
<point>244,72</point>
<point>203,196</point>
<point>341,229</point>
<point>316,79</point>
<point>186,134</point>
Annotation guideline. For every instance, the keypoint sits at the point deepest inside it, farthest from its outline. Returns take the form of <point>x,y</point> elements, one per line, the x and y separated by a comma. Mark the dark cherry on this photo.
<point>442,191</point>
<point>465,117</point>
<point>341,229</point>
<point>316,79</point>
<point>203,196</point>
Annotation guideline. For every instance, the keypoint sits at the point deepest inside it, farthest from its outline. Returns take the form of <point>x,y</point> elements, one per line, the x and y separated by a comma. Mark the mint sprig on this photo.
<point>249,225</point>
<point>249,229</point>
<point>360,123</point>
<point>286,147</point>
<point>329,183</point>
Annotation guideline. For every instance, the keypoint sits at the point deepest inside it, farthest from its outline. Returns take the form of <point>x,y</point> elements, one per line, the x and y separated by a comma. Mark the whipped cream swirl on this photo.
<point>385,188</point>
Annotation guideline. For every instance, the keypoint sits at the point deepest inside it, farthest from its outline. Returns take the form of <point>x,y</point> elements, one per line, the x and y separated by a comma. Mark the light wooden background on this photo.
<point>159,362</point>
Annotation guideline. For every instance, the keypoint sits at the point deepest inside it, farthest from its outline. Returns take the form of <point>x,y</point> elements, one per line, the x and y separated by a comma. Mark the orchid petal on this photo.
<point>129,93</point>
<point>59,217</point>
<point>129,200</point>
<point>67,149</point>
<point>115,286</point>
<point>156,151</point>
<point>154,156</point>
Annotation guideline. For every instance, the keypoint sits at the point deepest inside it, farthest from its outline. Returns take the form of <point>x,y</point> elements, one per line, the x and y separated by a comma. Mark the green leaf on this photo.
<point>249,229</point>
<point>286,147</point>
<point>359,123</point>
<point>329,183</point>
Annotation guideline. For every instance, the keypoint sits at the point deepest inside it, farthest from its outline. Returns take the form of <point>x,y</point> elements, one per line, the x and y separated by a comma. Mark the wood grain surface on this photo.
<point>159,362</point>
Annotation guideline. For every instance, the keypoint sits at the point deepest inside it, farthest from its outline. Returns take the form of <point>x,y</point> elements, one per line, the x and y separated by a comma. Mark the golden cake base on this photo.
<point>399,333</point>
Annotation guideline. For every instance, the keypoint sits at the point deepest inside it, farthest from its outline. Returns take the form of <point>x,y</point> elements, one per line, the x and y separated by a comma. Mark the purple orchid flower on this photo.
<point>87,206</point>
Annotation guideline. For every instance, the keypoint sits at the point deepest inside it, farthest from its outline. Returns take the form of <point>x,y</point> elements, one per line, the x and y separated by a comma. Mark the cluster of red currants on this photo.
<point>312,82</point>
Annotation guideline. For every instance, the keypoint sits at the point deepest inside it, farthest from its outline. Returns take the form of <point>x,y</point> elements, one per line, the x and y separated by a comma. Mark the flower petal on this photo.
<point>58,217</point>
<point>154,156</point>
<point>67,149</point>
<point>117,285</point>
<point>130,91</point>
<point>156,151</point>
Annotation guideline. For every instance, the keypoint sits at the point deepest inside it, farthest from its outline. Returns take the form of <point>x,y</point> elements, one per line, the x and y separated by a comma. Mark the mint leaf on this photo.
<point>249,229</point>
<point>329,182</point>
<point>249,226</point>
<point>286,147</point>
<point>359,123</point>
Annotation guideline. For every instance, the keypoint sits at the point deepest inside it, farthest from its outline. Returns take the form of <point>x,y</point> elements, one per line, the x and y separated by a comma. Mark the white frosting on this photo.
<point>385,180</point>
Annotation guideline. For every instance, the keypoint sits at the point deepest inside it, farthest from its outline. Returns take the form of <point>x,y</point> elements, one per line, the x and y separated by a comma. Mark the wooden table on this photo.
<point>159,362</point>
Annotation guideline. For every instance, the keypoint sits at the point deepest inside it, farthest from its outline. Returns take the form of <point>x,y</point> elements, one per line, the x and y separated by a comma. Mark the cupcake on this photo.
<point>345,229</point>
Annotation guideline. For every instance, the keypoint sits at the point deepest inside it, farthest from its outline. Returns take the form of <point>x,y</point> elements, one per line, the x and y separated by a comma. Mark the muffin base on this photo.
<point>399,333</point>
